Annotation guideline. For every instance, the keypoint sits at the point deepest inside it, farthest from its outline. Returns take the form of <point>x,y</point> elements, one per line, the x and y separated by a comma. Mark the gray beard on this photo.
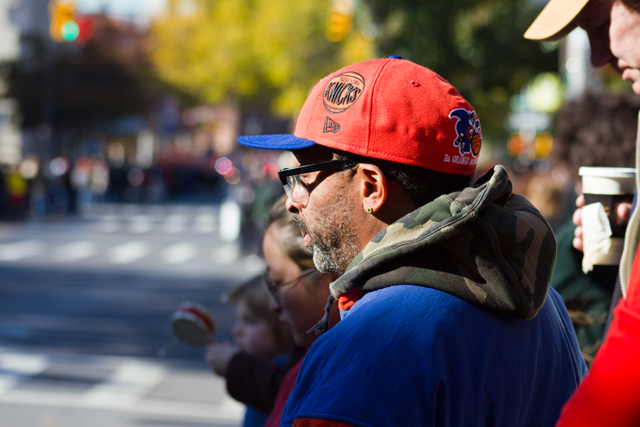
<point>325,261</point>
<point>334,249</point>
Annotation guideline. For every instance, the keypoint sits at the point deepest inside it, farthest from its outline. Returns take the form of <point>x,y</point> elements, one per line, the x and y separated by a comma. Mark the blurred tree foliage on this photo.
<point>263,53</point>
<point>106,79</point>
<point>477,46</point>
<point>269,53</point>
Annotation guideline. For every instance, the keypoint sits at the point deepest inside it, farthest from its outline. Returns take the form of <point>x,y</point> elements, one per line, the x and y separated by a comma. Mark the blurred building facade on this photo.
<point>10,134</point>
<point>85,121</point>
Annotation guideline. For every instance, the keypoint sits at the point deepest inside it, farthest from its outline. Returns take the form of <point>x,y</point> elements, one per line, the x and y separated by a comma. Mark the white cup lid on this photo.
<point>607,172</point>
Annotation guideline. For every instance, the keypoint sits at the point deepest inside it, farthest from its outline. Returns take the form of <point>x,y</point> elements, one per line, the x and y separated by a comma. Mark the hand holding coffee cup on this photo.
<point>623,211</point>
<point>603,229</point>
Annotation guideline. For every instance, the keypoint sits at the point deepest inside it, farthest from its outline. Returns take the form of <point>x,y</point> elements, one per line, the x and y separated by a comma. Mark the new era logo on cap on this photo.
<point>388,109</point>
<point>330,125</point>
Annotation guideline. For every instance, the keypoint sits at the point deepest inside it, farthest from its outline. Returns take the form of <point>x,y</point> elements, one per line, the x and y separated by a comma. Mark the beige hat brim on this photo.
<point>556,20</point>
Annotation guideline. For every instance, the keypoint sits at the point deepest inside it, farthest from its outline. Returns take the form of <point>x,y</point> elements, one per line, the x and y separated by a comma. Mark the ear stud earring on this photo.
<point>370,210</point>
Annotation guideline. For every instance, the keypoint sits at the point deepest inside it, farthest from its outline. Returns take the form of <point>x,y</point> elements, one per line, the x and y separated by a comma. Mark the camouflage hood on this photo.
<point>484,245</point>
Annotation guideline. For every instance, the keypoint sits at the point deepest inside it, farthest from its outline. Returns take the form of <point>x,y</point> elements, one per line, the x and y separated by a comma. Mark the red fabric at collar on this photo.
<point>346,300</point>
<point>315,422</point>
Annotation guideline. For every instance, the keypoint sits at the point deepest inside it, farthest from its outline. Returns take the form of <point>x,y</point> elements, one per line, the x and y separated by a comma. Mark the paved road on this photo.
<point>103,312</point>
<point>85,305</point>
<point>182,239</point>
<point>57,389</point>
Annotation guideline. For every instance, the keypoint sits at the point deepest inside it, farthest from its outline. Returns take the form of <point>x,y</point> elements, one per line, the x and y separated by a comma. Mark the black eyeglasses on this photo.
<point>293,186</point>
<point>272,286</point>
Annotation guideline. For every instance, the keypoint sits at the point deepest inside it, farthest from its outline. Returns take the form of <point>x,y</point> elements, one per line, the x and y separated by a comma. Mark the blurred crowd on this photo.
<point>66,186</point>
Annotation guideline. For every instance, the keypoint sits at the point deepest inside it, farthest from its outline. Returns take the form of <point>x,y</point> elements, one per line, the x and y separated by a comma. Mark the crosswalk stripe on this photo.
<point>75,251</point>
<point>175,223</point>
<point>128,383</point>
<point>141,224</point>
<point>169,220</point>
<point>227,411</point>
<point>129,388</point>
<point>128,252</point>
<point>15,368</point>
<point>226,254</point>
<point>20,250</point>
<point>179,253</point>
<point>205,223</point>
<point>169,234</point>
<point>108,224</point>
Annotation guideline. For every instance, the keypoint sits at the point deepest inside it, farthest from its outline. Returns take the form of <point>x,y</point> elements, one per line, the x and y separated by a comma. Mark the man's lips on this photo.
<point>303,230</point>
<point>632,75</point>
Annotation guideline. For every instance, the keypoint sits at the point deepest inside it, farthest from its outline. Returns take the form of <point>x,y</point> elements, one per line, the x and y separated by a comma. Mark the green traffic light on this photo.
<point>70,31</point>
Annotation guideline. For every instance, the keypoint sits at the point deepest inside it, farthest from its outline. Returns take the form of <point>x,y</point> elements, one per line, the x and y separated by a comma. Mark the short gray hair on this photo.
<point>421,185</point>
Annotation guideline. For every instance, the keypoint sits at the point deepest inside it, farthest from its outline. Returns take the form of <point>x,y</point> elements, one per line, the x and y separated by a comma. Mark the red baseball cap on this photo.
<point>389,109</point>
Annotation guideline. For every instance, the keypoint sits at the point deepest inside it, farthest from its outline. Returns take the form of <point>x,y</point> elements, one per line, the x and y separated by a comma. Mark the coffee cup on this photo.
<point>609,187</point>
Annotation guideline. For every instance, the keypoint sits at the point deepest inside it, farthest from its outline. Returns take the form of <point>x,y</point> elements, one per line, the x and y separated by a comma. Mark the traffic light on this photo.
<point>87,26</point>
<point>338,25</point>
<point>340,20</point>
<point>62,25</point>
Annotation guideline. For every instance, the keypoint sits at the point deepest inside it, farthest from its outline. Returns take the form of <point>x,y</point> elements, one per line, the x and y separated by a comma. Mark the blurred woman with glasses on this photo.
<point>299,294</point>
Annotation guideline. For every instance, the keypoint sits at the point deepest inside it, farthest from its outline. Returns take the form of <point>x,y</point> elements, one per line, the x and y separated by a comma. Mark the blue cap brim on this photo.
<point>276,142</point>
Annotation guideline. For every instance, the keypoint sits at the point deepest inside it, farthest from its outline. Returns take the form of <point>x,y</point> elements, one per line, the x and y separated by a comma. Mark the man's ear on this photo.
<point>374,187</point>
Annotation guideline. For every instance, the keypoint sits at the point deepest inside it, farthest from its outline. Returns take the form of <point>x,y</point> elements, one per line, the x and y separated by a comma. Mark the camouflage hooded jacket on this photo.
<point>484,245</point>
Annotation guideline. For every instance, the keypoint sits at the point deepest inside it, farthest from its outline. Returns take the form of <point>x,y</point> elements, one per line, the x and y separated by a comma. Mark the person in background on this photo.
<point>17,189</point>
<point>258,334</point>
<point>298,291</point>
<point>298,297</point>
<point>4,196</point>
<point>586,129</point>
<point>609,393</point>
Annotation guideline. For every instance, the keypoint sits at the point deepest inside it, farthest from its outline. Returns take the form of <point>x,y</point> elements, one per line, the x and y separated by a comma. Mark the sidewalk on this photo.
<point>72,390</point>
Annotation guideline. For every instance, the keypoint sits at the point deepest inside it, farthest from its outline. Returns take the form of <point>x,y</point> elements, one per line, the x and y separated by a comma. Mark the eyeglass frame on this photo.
<point>286,173</point>
<point>272,287</point>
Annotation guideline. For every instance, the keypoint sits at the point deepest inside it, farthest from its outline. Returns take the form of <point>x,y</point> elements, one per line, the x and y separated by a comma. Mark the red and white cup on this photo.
<point>193,324</point>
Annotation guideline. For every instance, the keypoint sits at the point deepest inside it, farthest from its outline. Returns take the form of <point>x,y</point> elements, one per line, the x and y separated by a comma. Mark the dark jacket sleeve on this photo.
<point>255,381</point>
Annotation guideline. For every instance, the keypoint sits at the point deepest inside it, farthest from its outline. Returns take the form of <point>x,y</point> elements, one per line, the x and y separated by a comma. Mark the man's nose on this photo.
<point>292,206</point>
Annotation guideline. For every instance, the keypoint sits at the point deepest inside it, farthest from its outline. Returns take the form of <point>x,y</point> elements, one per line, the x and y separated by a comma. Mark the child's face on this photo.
<point>252,334</point>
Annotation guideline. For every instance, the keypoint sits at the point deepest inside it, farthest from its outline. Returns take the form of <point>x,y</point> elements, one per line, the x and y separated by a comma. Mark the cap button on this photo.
<point>395,57</point>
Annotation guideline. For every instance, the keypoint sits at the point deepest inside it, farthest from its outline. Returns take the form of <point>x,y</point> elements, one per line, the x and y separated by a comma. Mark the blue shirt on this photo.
<point>415,356</point>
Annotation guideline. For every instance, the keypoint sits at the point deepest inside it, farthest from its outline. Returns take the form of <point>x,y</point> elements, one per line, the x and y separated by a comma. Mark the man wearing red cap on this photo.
<point>609,394</point>
<point>447,315</point>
